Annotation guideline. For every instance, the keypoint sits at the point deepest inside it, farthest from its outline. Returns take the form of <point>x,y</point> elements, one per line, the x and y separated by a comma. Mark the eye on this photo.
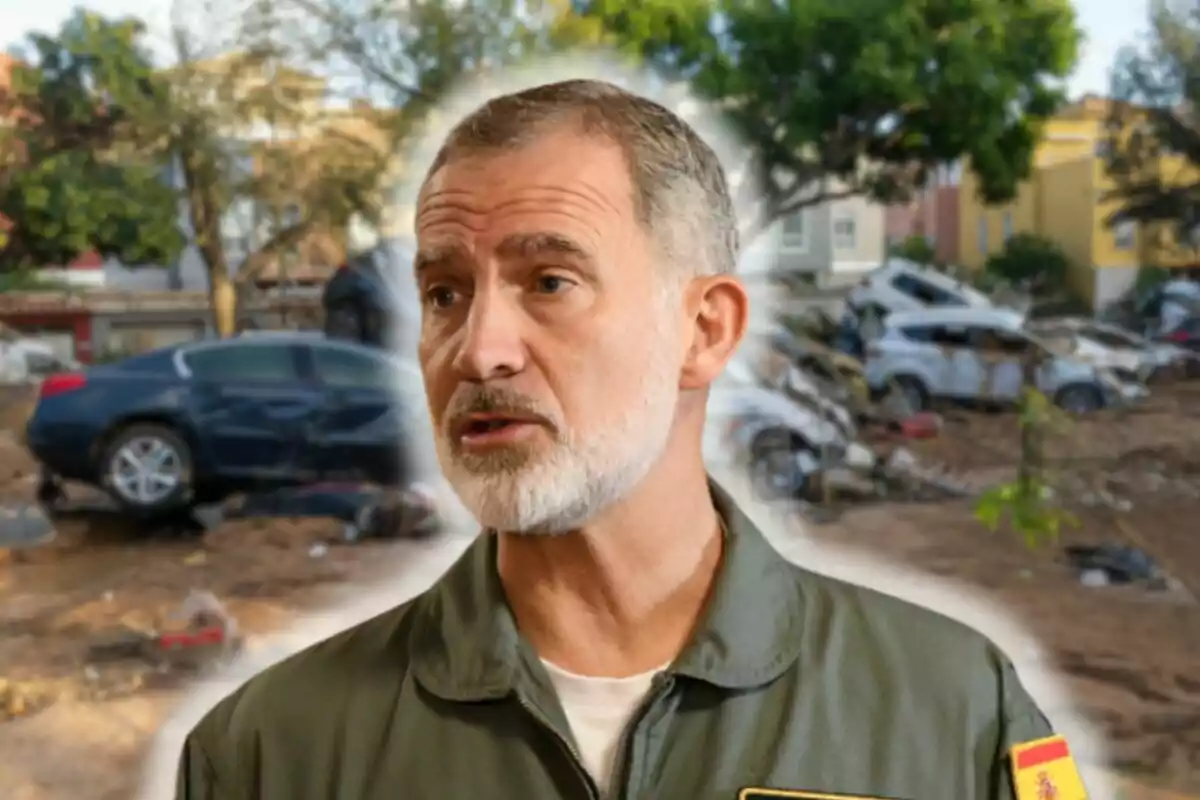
<point>551,284</point>
<point>440,296</point>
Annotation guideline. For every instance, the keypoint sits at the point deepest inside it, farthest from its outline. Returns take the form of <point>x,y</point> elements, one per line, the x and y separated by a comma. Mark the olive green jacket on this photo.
<point>792,681</point>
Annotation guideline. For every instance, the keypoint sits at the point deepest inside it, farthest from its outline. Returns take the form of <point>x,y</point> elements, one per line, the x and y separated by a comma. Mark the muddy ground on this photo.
<point>73,729</point>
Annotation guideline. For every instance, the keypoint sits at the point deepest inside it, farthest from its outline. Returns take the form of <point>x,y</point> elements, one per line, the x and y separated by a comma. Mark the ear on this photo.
<point>719,308</point>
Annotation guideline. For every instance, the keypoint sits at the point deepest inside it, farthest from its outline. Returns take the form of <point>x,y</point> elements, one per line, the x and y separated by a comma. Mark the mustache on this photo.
<point>476,399</point>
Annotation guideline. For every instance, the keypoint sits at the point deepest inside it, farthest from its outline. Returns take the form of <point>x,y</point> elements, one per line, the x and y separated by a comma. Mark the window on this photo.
<point>926,292</point>
<point>257,362</point>
<point>918,333</point>
<point>950,336</point>
<point>794,234</point>
<point>1008,228</point>
<point>983,235</point>
<point>1124,234</point>
<point>845,234</point>
<point>347,369</point>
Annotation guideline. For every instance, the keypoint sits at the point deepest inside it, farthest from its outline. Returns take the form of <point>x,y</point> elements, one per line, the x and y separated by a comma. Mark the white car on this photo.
<point>1107,345</point>
<point>976,354</point>
<point>781,440</point>
<point>902,285</point>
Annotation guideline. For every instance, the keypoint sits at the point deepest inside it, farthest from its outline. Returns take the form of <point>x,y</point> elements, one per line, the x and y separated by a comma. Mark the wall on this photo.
<point>812,253</point>
<point>946,224</point>
<point>74,327</point>
<point>902,220</point>
<point>870,239</point>
<point>984,230</point>
<point>1068,197</point>
<point>934,214</point>
<point>139,331</point>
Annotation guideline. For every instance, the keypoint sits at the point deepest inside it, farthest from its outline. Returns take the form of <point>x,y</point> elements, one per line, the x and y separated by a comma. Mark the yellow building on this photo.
<point>1064,200</point>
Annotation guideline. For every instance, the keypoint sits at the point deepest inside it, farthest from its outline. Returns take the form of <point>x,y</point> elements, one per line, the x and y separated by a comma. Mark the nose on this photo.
<point>492,346</point>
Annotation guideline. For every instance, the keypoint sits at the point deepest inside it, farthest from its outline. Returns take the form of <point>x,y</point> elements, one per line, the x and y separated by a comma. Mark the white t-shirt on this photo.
<point>598,711</point>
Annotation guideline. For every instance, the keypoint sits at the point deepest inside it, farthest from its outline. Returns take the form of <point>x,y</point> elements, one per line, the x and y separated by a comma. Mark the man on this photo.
<point>620,629</point>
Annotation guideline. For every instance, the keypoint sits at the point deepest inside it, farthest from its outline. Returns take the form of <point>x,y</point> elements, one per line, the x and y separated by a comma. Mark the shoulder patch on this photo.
<point>1045,770</point>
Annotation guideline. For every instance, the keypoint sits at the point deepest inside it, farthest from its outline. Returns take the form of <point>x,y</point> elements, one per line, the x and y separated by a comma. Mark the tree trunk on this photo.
<point>223,299</point>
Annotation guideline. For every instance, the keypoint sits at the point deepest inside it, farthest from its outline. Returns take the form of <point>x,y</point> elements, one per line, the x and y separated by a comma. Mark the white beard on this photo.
<point>585,472</point>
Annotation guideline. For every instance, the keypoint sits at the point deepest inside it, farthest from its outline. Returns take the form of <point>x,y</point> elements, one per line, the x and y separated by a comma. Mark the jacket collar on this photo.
<point>466,646</point>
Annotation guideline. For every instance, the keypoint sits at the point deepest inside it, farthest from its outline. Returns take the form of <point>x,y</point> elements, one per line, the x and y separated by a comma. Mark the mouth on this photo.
<point>482,430</point>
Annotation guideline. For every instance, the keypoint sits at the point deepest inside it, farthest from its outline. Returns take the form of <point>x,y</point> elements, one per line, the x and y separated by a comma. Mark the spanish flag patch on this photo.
<point>1044,770</point>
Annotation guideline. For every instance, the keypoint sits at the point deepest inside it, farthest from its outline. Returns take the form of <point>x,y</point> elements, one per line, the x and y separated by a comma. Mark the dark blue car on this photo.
<point>195,423</point>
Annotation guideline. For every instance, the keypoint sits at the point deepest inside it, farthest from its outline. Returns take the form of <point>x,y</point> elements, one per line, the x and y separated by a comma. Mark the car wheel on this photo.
<point>1079,398</point>
<point>147,468</point>
<point>912,390</point>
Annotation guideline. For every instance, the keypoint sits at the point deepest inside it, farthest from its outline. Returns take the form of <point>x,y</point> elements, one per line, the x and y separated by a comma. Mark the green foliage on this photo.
<point>1152,130</point>
<point>72,185</point>
<point>1149,278</point>
<point>1030,261</point>
<point>1027,509</point>
<point>844,97</point>
<point>71,203</point>
<point>413,54</point>
<point>916,249</point>
<point>23,280</point>
<point>1027,504</point>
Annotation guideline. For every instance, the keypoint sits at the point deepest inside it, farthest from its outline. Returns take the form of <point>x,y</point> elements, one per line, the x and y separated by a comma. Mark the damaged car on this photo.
<point>196,423</point>
<point>781,443</point>
<point>982,355</point>
<point>1132,357</point>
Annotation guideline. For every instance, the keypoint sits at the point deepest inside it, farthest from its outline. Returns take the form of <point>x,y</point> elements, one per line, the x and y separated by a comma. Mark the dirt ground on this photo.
<point>1132,654</point>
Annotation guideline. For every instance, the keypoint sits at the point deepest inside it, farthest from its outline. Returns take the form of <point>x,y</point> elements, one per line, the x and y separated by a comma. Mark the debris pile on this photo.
<point>199,635</point>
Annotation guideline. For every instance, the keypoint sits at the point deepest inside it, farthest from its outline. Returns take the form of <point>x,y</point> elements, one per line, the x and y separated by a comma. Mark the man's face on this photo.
<point>551,333</point>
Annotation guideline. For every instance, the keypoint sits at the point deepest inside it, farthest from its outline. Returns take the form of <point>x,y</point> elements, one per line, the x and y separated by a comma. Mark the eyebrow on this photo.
<point>433,256</point>
<point>525,245</point>
<point>518,245</point>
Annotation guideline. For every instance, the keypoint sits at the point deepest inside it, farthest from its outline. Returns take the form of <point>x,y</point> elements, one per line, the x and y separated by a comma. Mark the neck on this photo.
<point>621,595</point>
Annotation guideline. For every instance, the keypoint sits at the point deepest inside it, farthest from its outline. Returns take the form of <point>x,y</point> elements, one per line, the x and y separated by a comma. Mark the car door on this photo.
<point>362,430</point>
<point>1003,354</point>
<point>250,409</point>
<point>960,373</point>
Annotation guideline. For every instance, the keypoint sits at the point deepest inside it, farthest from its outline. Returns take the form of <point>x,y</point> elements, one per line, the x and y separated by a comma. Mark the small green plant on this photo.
<point>916,249</point>
<point>1032,261</point>
<point>1028,504</point>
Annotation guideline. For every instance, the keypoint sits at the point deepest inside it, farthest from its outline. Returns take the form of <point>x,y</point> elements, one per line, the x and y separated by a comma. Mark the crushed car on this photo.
<point>902,285</point>
<point>796,443</point>
<point>982,355</point>
<point>1128,354</point>
<point>195,423</point>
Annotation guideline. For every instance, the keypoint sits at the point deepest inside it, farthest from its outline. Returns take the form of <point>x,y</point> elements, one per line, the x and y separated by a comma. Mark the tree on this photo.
<point>68,185</point>
<point>252,200</point>
<point>862,97</point>
<point>1030,261</point>
<point>916,249</point>
<point>410,54</point>
<point>1153,135</point>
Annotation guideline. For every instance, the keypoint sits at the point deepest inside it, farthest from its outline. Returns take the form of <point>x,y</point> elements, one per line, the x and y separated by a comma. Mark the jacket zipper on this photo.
<point>567,746</point>
<point>621,787</point>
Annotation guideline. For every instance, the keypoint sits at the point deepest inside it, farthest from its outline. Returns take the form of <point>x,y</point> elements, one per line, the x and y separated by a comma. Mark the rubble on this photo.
<point>200,633</point>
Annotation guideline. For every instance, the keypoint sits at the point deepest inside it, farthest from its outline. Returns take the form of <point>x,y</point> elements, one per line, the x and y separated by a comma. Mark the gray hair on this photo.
<point>681,196</point>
